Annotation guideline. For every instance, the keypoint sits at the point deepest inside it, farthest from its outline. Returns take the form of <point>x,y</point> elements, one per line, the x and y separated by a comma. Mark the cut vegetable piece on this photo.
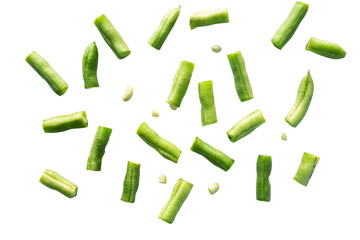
<point>89,66</point>
<point>56,182</point>
<point>306,168</point>
<point>65,122</point>
<point>208,110</point>
<point>213,188</point>
<point>206,18</point>
<point>284,137</point>
<point>263,170</point>
<point>162,179</point>
<point>98,148</point>
<point>325,48</point>
<point>131,182</point>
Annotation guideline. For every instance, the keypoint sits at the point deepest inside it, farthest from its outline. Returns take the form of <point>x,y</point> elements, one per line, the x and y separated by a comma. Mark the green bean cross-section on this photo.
<point>89,66</point>
<point>208,110</point>
<point>325,48</point>
<point>210,17</point>
<point>306,168</point>
<point>178,196</point>
<point>97,151</point>
<point>131,182</point>
<point>56,182</point>
<point>65,122</point>
<point>263,170</point>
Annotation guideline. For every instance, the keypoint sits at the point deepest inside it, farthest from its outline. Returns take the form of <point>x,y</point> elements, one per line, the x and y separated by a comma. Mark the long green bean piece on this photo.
<point>43,68</point>
<point>131,182</point>
<point>263,170</point>
<point>214,155</point>
<point>162,32</point>
<point>56,182</point>
<point>302,103</point>
<point>178,196</point>
<point>206,18</point>
<point>208,110</point>
<point>98,148</point>
<point>242,83</point>
<point>89,66</point>
<point>306,168</point>
<point>289,26</point>
<point>112,37</point>
<point>167,149</point>
<point>325,48</point>
<point>65,122</point>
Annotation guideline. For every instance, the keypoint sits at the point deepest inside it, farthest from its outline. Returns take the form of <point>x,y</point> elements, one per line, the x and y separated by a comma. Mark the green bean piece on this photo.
<point>167,149</point>
<point>65,122</point>
<point>215,156</point>
<point>180,83</point>
<point>131,182</point>
<point>89,66</point>
<point>162,32</point>
<point>263,170</point>
<point>206,18</point>
<point>112,37</point>
<point>206,95</point>
<point>216,48</point>
<point>43,68</point>
<point>56,182</point>
<point>242,83</point>
<point>245,126</point>
<point>302,103</point>
<point>178,196</point>
<point>289,26</point>
<point>98,148</point>
<point>325,48</point>
<point>306,168</point>
<point>213,188</point>
<point>284,137</point>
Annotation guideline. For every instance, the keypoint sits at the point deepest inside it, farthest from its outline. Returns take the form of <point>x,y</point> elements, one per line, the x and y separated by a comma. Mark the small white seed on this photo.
<point>284,137</point>
<point>216,48</point>
<point>162,179</point>
<point>213,188</point>
<point>128,93</point>
<point>173,107</point>
<point>154,113</point>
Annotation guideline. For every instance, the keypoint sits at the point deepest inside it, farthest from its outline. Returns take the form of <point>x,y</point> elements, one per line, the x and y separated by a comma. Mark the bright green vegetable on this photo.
<point>56,182</point>
<point>131,182</point>
<point>162,32</point>
<point>302,103</point>
<point>242,83</point>
<point>216,48</point>
<point>263,170</point>
<point>206,18</point>
<point>112,37</point>
<point>98,148</point>
<point>215,156</point>
<point>65,122</point>
<point>89,66</point>
<point>284,137</point>
<point>206,95</point>
<point>178,196</point>
<point>326,49</point>
<point>246,126</point>
<point>163,146</point>
<point>43,68</point>
<point>213,188</point>
<point>289,26</point>
<point>306,168</point>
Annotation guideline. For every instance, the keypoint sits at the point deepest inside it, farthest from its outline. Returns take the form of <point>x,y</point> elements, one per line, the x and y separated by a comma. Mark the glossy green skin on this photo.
<point>302,103</point>
<point>180,83</point>
<point>56,182</point>
<point>178,196</point>
<point>289,26</point>
<point>214,155</point>
<point>112,37</point>
<point>242,83</point>
<point>65,122</point>
<point>167,149</point>
<point>263,170</point>
<point>89,66</point>
<point>306,168</point>
<point>162,32</point>
<point>43,68</point>
<point>208,110</point>
<point>245,126</point>
<point>325,48</point>
<point>216,48</point>
<point>98,148</point>
<point>131,182</point>
<point>206,18</point>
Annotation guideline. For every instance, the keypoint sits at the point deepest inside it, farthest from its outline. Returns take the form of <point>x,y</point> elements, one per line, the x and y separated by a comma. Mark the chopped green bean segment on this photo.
<point>216,48</point>
<point>325,48</point>
<point>89,66</point>
<point>131,182</point>
<point>306,168</point>
<point>245,126</point>
<point>43,68</point>
<point>162,179</point>
<point>98,148</point>
<point>206,95</point>
<point>56,182</point>
<point>284,137</point>
<point>128,93</point>
<point>213,188</point>
<point>167,149</point>
<point>178,196</point>
<point>215,156</point>
<point>65,122</point>
<point>263,170</point>
<point>206,18</point>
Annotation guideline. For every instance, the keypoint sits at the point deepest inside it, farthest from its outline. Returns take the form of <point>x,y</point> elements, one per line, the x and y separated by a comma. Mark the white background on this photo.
<point>328,208</point>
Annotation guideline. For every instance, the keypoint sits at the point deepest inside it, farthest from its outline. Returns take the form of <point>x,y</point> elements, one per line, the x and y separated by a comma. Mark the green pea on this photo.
<point>131,182</point>
<point>216,48</point>
<point>263,170</point>
<point>306,168</point>
<point>206,95</point>
<point>206,18</point>
<point>97,151</point>
<point>325,48</point>
<point>56,182</point>
<point>89,66</point>
<point>65,122</point>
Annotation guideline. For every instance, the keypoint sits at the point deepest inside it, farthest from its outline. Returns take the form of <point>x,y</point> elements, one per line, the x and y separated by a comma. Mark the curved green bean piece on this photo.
<point>302,103</point>
<point>180,83</point>
<point>289,26</point>
<point>242,83</point>
<point>206,18</point>
<point>65,122</point>
<point>306,168</point>
<point>215,156</point>
<point>131,182</point>
<point>112,37</point>
<point>167,149</point>
<point>325,48</point>
<point>97,151</point>
<point>43,68</point>
<point>162,32</point>
<point>245,126</point>
<point>178,196</point>
<point>208,110</point>
<point>56,182</point>
<point>89,66</point>
<point>263,170</point>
